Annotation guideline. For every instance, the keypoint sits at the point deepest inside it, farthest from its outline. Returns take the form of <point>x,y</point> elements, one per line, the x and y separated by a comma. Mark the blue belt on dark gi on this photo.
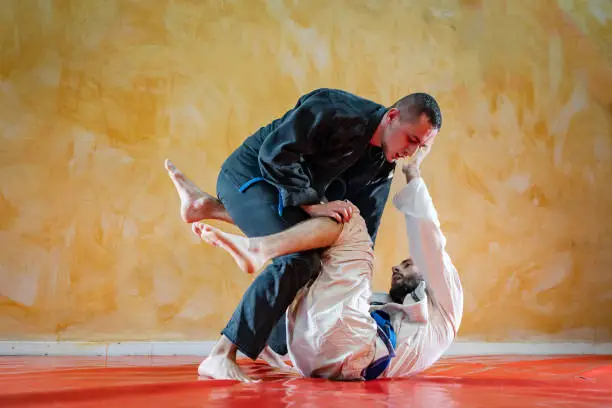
<point>252,181</point>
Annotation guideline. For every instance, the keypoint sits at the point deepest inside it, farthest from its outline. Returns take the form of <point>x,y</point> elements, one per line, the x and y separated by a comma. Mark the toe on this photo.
<point>212,233</point>
<point>197,229</point>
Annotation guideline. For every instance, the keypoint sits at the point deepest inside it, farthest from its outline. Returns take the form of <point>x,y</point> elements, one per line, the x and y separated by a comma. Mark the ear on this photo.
<point>393,114</point>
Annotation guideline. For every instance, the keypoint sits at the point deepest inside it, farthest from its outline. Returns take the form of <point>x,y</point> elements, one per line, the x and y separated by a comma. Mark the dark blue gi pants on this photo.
<point>259,318</point>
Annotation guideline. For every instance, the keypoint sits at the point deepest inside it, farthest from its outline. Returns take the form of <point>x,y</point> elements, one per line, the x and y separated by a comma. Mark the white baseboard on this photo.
<point>461,348</point>
<point>202,348</point>
<point>74,348</point>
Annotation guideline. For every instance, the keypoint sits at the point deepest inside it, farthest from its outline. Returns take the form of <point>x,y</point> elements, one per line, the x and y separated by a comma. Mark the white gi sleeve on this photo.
<point>427,248</point>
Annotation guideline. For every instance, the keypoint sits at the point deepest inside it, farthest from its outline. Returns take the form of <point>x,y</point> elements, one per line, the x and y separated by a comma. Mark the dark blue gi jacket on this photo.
<point>320,150</point>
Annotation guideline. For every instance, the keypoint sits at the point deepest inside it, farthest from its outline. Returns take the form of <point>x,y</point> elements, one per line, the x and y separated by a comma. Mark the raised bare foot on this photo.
<point>248,257</point>
<point>196,205</point>
<point>220,367</point>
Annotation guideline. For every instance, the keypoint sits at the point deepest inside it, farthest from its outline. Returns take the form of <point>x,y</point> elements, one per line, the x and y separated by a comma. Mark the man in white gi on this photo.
<point>336,327</point>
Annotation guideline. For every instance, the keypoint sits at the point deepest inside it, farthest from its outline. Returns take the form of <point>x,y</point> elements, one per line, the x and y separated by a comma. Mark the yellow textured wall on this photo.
<point>95,94</point>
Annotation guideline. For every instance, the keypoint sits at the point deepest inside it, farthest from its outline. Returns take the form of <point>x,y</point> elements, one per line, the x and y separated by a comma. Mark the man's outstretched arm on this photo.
<point>427,246</point>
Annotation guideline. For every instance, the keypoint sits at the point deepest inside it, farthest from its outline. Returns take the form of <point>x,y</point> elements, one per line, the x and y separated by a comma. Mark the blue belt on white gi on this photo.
<point>387,335</point>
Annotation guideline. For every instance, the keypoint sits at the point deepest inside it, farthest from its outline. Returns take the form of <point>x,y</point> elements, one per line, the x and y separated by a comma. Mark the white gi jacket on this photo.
<point>330,332</point>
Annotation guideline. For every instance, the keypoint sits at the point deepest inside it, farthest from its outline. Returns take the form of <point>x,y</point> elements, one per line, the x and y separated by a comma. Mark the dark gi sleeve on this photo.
<point>282,153</point>
<point>371,200</point>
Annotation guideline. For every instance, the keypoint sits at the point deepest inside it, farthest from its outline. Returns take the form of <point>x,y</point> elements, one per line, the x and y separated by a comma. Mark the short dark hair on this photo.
<point>413,105</point>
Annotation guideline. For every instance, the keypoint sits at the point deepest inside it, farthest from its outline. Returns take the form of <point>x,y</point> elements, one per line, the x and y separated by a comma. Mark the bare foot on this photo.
<point>275,360</point>
<point>220,367</point>
<point>196,205</point>
<point>248,257</point>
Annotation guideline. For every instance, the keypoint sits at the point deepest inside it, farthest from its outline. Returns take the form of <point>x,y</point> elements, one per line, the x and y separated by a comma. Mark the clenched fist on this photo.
<point>411,170</point>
